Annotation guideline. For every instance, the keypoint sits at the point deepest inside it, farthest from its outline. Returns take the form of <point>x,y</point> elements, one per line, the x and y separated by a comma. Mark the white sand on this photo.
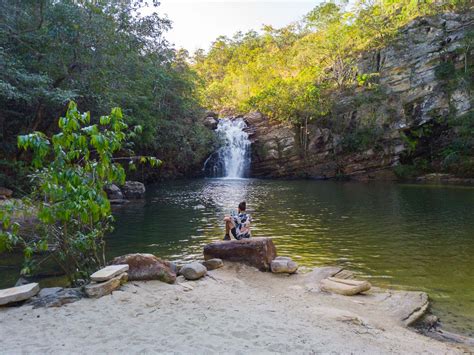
<point>237,310</point>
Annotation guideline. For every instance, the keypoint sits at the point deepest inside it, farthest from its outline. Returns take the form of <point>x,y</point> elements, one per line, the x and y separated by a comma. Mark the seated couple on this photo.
<point>238,225</point>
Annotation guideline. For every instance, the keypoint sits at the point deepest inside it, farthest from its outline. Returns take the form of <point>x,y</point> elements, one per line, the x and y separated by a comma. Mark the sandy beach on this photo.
<point>236,310</point>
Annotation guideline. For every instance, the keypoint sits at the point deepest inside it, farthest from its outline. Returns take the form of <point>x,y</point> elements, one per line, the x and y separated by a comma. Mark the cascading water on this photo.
<point>232,159</point>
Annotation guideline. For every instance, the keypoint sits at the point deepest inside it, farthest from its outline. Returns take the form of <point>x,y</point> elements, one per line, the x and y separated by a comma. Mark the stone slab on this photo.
<point>99,289</point>
<point>109,272</point>
<point>17,294</point>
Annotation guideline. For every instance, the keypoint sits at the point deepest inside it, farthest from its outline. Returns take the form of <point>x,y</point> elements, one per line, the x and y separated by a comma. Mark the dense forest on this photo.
<point>100,54</point>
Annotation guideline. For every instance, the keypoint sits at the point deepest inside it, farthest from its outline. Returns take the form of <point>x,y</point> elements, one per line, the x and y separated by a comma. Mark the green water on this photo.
<point>413,237</point>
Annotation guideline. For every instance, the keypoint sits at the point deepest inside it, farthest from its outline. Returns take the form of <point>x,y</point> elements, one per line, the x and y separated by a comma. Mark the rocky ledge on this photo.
<point>409,96</point>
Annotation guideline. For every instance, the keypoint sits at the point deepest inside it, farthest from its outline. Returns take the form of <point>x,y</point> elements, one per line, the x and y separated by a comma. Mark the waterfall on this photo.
<point>232,159</point>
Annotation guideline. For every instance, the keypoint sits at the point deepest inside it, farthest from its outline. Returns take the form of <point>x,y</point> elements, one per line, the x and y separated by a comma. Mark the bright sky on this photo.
<point>199,22</point>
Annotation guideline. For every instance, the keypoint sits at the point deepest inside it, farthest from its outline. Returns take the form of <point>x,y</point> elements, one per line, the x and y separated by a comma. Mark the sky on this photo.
<point>196,23</point>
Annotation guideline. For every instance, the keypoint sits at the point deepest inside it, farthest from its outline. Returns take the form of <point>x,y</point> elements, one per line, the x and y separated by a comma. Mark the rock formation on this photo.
<point>408,94</point>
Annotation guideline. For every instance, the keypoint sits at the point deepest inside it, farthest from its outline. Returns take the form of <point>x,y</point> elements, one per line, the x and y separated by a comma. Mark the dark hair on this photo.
<point>242,206</point>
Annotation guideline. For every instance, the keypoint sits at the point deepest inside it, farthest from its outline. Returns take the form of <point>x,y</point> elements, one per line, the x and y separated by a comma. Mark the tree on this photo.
<point>72,169</point>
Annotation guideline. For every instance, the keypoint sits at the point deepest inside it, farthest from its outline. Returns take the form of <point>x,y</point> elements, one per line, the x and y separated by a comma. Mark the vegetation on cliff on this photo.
<point>292,73</point>
<point>102,54</point>
<point>314,71</point>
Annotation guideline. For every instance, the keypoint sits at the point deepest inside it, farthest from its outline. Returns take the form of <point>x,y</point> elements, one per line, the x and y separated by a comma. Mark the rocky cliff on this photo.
<point>399,118</point>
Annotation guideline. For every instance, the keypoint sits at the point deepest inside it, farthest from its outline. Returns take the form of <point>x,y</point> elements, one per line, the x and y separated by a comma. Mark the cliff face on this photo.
<point>373,127</point>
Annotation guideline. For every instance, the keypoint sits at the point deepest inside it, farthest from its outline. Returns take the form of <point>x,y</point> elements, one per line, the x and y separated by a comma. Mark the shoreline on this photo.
<point>235,309</point>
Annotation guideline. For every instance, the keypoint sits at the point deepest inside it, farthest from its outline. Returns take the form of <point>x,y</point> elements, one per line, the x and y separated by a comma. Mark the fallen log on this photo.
<point>257,252</point>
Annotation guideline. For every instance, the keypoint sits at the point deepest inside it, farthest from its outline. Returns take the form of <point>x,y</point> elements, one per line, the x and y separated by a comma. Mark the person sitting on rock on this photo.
<point>238,225</point>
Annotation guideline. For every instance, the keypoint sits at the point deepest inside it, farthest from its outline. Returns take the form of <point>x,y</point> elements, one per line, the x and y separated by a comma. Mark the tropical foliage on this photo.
<point>72,170</point>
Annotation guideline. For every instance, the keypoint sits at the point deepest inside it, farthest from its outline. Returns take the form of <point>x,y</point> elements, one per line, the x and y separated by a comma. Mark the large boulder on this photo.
<point>147,267</point>
<point>133,190</point>
<point>257,252</point>
<point>193,271</point>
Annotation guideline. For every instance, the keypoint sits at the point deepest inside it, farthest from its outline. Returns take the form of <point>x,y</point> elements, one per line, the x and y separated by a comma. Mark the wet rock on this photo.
<point>193,271</point>
<point>212,114</point>
<point>213,264</point>
<point>56,297</point>
<point>257,252</point>
<point>284,265</point>
<point>113,192</point>
<point>211,122</point>
<point>147,267</point>
<point>133,190</point>
<point>19,293</point>
<point>100,289</point>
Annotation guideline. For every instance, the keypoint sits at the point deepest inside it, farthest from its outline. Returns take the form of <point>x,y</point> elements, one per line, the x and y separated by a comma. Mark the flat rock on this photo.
<point>257,252</point>
<point>19,293</point>
<point>109,272</point>
<point>99,289</point>
<point>344,287</point>
<point>193,271</point>
<point>406,306</point>
<point>213,264</point>
<point>147,267</point>
<point>285,265</point>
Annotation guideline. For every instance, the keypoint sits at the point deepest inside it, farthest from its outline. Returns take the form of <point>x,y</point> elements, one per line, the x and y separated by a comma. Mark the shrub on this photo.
<point>72,169</point>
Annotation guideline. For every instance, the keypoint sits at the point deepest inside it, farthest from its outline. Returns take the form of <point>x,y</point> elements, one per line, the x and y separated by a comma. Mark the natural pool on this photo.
<point>415,237</point>
<point>403,236</point>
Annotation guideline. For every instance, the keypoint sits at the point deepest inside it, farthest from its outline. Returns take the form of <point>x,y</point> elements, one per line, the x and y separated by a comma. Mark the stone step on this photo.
<point>109,272</point>
<point>19,293</point>
<point>96,290</point>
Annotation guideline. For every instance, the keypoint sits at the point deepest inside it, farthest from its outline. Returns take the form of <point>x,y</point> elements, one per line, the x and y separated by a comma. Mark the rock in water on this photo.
<point>257,252</point>
<point>284,265</point>
<point>113,192</point>
<point>133,190</point>
<point>213,264</point>
<point>17,294</point>
<point>147,267</point>
<point>193,271</point>
<point>99,289</point>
